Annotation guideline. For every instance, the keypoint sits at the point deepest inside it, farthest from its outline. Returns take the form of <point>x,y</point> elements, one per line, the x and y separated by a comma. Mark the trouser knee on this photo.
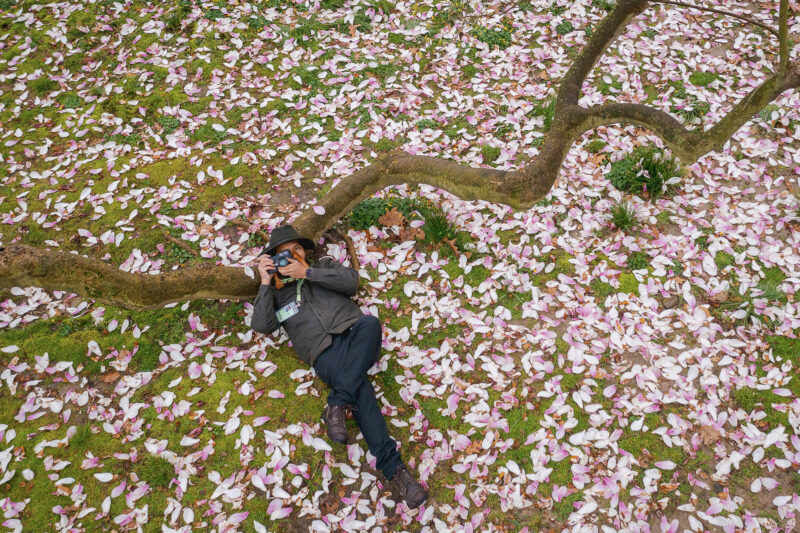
<point>369,325</point>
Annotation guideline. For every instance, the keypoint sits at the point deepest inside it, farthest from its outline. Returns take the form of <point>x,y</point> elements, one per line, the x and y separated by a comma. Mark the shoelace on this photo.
<point>338,414</point>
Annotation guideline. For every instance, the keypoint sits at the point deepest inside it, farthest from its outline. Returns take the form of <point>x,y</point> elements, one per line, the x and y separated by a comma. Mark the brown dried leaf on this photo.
<point>111,377</point>
<point>393,217</point>
<point>205,229</point>
<point>474,447</point>
<point>666,488</point>
<point>407,234</point>
<point>709,435</point>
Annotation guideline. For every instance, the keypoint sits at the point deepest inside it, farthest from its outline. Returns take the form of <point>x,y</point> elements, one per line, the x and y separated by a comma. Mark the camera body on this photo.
<point>281,259</point>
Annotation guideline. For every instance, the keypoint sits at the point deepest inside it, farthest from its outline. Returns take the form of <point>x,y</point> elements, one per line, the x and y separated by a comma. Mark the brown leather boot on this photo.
<point>409,488</point>
<point>333,417</point>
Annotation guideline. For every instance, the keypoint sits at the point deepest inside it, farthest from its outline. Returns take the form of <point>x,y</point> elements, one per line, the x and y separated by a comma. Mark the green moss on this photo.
<point>601,289</point>
<point>156,471</point>
<point>490,153</point>
<point>724,259</point>
<point>628,283</point>
<point>703,78</point>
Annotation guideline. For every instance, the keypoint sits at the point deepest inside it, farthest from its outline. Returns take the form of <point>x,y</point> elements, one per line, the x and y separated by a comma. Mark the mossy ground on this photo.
<point>76,97</point>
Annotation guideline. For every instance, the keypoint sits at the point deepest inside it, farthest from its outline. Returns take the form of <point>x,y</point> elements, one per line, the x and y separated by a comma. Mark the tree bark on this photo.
<point>22,265</point>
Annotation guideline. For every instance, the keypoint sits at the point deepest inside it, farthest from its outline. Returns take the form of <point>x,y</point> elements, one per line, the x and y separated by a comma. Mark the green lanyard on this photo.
<point>300,281</point>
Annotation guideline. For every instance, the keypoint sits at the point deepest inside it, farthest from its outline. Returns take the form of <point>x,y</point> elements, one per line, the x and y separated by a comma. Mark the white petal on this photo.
<point>320,445</point>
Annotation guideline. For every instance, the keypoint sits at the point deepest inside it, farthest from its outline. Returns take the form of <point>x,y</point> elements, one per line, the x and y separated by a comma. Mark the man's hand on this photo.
<point>265,264</point>
<point>294,269</point>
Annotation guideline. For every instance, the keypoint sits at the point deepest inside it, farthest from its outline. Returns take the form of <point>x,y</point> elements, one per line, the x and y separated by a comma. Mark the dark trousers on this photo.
<point>343,367</point>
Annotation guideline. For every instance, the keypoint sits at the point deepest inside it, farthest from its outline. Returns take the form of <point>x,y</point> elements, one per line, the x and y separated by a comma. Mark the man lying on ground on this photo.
<point>330,333</point>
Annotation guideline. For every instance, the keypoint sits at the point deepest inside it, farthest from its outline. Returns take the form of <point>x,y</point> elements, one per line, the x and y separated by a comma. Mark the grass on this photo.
<point>623,215</point>
<point>546,109</point>
<point>723,260</point>
<point>748,308</point>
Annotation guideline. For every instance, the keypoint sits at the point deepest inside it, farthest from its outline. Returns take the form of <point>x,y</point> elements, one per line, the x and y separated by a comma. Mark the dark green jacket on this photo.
<point>325,308</point>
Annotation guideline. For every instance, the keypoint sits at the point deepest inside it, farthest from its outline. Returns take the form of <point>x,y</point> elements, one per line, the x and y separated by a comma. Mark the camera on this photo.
<point>280,260</point>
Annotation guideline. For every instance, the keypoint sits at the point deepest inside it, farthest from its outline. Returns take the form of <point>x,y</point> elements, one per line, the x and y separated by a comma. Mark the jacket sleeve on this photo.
<point>264,319</point>
<point>332,275</point>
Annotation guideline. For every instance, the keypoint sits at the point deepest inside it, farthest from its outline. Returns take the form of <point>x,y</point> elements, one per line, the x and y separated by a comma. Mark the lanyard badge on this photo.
<point>289,310</point>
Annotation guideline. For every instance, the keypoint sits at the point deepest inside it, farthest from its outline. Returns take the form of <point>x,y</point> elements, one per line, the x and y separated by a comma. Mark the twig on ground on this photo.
<point>248,226</point>
<point>180,243</point>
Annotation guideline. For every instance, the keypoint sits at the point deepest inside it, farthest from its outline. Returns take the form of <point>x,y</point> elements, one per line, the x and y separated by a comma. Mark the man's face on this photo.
<point>294,247</point>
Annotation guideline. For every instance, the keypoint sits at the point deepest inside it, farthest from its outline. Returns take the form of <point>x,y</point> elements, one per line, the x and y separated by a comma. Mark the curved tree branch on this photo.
<point>720,12</point>
<point>689,145</point>
<point>607,30</point>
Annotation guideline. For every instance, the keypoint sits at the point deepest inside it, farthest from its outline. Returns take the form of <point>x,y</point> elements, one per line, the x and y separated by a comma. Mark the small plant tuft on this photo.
<point>170,124</point>
<point>638,260</point>
<point>427,123</point>
<point>647,170</point>
<point>546,109</point>
<point>606,5</point>
<point>623,215</point>
<point>596,145</point>
<point>214,14</point>
<point>565,27</point>
<point>70,100</point>
<point>157,471</point>
<point>499,37</point>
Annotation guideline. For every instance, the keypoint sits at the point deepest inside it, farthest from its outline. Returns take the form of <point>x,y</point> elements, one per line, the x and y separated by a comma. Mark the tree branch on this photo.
<point>689,145</point>
<point>24,266</point>
<point>605,33</point>
<point>783,37</point>
<point>721,12</point>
